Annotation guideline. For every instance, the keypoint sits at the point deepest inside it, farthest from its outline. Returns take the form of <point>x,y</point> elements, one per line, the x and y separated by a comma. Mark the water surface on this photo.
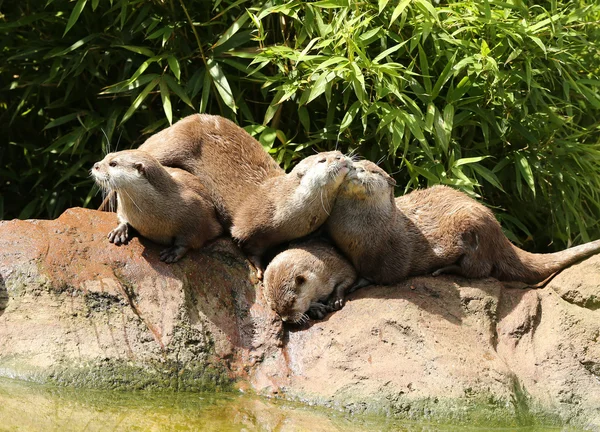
<point>31,407</point>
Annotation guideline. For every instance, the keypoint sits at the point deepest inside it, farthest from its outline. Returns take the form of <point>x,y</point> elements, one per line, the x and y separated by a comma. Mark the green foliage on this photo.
<point>498,99</point>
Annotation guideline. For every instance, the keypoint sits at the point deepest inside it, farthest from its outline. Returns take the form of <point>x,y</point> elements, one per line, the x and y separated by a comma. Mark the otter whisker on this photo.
<point>323,204</point>
<point>134,203</point>
<point>107,147</point>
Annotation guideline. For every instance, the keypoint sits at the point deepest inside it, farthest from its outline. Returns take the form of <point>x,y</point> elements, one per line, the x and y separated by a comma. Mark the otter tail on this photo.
<point>519,265</point>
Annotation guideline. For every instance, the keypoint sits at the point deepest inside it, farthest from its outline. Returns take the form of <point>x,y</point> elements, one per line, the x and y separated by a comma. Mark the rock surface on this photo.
<point>77,310</point>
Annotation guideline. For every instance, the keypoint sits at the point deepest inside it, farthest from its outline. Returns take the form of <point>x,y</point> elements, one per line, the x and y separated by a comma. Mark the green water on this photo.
<point>30,407</point>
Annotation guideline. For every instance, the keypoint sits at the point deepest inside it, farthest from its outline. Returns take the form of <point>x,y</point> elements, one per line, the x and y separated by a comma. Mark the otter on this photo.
<point>166,205</point>
<point>230,163</point>
<point>288,207</point>
<point>300,279</point>
<point>439,230</point>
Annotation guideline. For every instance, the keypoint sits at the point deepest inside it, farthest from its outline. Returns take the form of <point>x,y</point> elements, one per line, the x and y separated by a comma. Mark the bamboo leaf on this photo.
<point>174,66</point>
<point>178,90</point>
<point>221,84</point>
<point>139,99</point>
<point>233,29</point>
<point>166,100</point>
<point>75,15</point>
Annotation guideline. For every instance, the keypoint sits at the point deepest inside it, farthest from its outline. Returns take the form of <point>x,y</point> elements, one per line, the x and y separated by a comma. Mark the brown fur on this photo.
<point>167,205</point>
<point>230,163</point>
<point>433,230</point>
<point>300,278</point>
<point>288,207</point>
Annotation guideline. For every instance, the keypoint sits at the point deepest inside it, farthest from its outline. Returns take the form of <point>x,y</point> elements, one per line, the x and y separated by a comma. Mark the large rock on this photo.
<point>77,310</point>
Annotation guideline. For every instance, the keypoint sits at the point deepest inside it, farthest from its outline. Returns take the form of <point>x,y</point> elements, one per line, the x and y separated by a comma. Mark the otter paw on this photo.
<point>318,310</point>
<point>120,235</point>
<point>336,302</point>
<point>172,254</point>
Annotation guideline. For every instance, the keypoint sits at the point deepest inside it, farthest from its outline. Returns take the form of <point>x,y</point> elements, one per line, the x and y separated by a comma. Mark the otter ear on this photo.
<point>140,167</point>
<point>390,181</point>
<point>299,280</point>
<point>300,173</point>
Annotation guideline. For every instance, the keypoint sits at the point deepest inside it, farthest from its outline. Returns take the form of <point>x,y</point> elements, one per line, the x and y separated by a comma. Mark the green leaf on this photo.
<point>75,15</point>
<point>205,93</point>
<point>166,100</point>
<point>304,117</point>
<point>469,160</point>
<point>221,83</point>
<point>137,49</point>
<point>62,120</point>
<point>178,90</point>
<point>318,87</point>
<point>327,4</point>
<point>382,4</point>
<point>139,99</point>
<point>233,29</point>
<point>525,171</point>
<point>57,52</point>
<point>349,116</point>
<point>398,10</point>
<point>174,66</point>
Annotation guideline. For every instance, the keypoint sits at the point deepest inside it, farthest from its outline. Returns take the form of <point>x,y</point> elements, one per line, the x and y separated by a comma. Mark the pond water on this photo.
<point>31,407</point>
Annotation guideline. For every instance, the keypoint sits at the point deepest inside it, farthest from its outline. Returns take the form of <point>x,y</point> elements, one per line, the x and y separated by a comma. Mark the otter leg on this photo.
<point>318,310</point>
<point>454,268</point>
<point>256,261</point>
<point>175,252</point>
<point>120,235</point>
<point>337,299</point>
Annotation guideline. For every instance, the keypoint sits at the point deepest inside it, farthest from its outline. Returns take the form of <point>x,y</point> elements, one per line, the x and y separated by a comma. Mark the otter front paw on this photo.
<point>120,235</point>
<point>336,302</point>
<point>318,310</point>
<point>173,254</point>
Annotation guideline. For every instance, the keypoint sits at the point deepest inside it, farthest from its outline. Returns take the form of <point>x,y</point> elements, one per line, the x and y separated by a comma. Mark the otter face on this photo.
<point>322,169</point>
<point>119,170</point>
<point>284,291</point>
<point>366,180</point>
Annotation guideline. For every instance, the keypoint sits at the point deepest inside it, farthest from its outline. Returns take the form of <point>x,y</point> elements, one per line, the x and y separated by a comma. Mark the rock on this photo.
<point>75,309</point>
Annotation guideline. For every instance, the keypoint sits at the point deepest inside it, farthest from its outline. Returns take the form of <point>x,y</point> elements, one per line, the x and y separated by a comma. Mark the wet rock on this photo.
<point>75,309</point>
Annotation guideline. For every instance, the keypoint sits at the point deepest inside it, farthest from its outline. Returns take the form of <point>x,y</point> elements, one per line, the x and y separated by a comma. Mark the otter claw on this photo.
<point>120,235</point>
<point>336,303</point>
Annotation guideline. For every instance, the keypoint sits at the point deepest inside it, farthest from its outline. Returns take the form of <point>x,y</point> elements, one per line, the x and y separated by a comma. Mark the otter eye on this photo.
<point>322,160</point>
<point>300,280</point>
<point>112,164</point>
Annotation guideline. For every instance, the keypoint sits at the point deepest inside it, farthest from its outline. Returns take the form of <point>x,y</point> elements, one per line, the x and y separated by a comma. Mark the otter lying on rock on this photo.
<point>166,205</point>
<point>432,230</point>
<point>300,279</point>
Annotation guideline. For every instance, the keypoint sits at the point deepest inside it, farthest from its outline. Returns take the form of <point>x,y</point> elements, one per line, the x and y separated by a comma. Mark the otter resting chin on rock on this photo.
<point>434,230</point>
<point>300,279</point>
<point>288,207</point>
<point>166,205</point>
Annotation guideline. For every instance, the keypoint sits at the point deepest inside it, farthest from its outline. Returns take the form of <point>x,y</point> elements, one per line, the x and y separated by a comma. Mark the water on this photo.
<point>31,407</point>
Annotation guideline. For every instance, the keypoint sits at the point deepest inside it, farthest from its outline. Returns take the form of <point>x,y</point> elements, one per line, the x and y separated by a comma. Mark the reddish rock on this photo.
<point>75,309</point>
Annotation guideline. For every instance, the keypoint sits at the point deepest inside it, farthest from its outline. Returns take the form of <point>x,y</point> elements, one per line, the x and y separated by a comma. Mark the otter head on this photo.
<point>322,170</point>
<point>367,181</point>
<point>124,169</point>
<point>286,290</point>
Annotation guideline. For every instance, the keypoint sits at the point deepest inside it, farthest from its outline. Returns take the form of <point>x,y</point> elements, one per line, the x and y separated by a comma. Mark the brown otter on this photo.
<point>167,205</point>
<point>288,207</point>
<point>433,230</point>
<point>230,163</point>
<point>299,279</point>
